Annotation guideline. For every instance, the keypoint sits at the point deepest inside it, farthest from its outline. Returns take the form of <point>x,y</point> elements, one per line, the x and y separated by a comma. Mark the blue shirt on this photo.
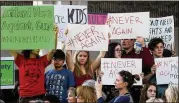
<point>58,83</point>
<point>118,99</point>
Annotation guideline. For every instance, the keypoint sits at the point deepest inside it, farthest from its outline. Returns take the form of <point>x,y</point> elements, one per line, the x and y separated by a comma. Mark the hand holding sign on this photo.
<point>153,69</point>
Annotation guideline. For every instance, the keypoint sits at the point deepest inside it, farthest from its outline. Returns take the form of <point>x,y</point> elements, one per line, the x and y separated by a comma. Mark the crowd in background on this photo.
<point>79,79</point>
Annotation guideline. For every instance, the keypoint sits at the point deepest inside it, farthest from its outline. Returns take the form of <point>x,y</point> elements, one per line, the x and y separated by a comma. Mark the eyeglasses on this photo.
<point>118,50</point>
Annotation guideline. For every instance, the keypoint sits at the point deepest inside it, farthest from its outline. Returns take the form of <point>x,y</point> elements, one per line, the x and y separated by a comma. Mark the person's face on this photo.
<point>119,83</point>
<point>58,63</point>
<point>82,57</point>
<point>158,50</point>
<point>151,92</point>
<point>35,51</point>
<point>118,51</point>
<point>127,43</point>
<point>80,99</point>
<point>71,98</point>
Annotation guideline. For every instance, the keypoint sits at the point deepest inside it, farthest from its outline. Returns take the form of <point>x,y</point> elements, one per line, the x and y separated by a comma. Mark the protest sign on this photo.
<point>162,28</point>
<point>99,19</point>
<point>112,66</point>
<point>129,25</point>
<point>27,27</point>
<point>87,37</point>
<point>167,70</point>
<point>174,71</point>
<point>65,14</point>
<point>7,73</point>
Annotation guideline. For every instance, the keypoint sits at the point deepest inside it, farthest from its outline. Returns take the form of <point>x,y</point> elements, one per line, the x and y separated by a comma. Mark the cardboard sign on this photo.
<point>129,25</point>
<point>27,27</point>
<point>99,19</point>
<point>112,66</point>
<point>162,28</point>
<point>87,37</point>
<point>167,70</point>
<point>72,14</point>
<point>7,73</point>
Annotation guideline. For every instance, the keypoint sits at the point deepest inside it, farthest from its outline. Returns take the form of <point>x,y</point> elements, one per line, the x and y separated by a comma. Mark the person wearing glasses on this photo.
<point>60,79</point>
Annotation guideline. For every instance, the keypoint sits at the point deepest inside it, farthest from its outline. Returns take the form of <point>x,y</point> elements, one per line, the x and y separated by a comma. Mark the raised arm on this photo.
<point>14,53</point>
<point>69,60</point>
<point>96,63</point>
<point>50,54</point>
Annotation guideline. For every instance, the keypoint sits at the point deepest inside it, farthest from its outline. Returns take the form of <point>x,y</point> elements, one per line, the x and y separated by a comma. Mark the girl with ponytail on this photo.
<point>124,81</point>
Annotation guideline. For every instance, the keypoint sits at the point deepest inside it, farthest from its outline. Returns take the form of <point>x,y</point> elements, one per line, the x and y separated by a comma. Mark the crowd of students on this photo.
<point>79,80</point>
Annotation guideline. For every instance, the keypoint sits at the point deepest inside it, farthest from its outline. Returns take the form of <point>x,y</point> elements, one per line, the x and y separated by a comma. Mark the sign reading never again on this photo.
<point>7,73</point>
<point>27,27</point>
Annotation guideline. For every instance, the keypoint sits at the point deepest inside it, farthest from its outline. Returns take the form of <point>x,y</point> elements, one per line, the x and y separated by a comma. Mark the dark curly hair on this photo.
<point>153,43</point>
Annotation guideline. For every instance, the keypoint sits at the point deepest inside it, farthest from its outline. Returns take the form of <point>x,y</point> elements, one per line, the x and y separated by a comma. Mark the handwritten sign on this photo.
<point>167,70</point>
<point>72,14</point>
<point>129,25</point>
<point>87,37</point>
<point>7,73</point>
<point>162,28</point>
<point>99,19</point>
<point>112,66</point>
<point>27,27</point>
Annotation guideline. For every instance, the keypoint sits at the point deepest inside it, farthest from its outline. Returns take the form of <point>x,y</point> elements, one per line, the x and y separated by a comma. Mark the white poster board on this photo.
<point>129,25</point>
<point>87,37</point>
<point>167,70</point>
<point>162,28</point>
<point>65,14</point>
<point>112,66</point>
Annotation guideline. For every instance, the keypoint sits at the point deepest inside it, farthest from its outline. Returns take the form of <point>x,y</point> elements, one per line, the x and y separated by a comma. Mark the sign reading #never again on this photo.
<point>27,27</point>
<point>129,25</point>
<point>7,80</point>
<point>87,37</point>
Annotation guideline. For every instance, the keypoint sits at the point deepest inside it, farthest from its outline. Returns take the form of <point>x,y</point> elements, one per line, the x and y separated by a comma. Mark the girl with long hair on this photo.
<point>149,93</point>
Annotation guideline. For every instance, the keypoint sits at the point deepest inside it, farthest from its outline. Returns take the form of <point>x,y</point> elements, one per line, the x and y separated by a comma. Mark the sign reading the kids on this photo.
<point>27,27</point>
<point>72,14</point>
<point>167,70</point>
<point>99,19</point>
<point>7,80</point>
<point>162,28</point>
<point>112,66</point>
<point>129,25</point>
<point>87,37</point>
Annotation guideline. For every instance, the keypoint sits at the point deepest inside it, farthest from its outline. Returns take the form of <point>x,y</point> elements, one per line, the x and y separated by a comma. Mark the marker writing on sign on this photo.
<point>5,66</point>
<point>87,38</point>
<point>119,64</point>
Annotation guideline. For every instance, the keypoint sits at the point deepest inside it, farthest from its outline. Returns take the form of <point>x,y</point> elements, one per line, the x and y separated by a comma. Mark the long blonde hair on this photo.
<point>171,93</point>
<point>88,68</point>
<point>87,93</point>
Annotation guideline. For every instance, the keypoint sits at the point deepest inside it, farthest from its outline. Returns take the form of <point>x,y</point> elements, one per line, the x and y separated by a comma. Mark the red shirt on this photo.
<point>79,80</point>
<point>31,75</point>
<point>147,59</point>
